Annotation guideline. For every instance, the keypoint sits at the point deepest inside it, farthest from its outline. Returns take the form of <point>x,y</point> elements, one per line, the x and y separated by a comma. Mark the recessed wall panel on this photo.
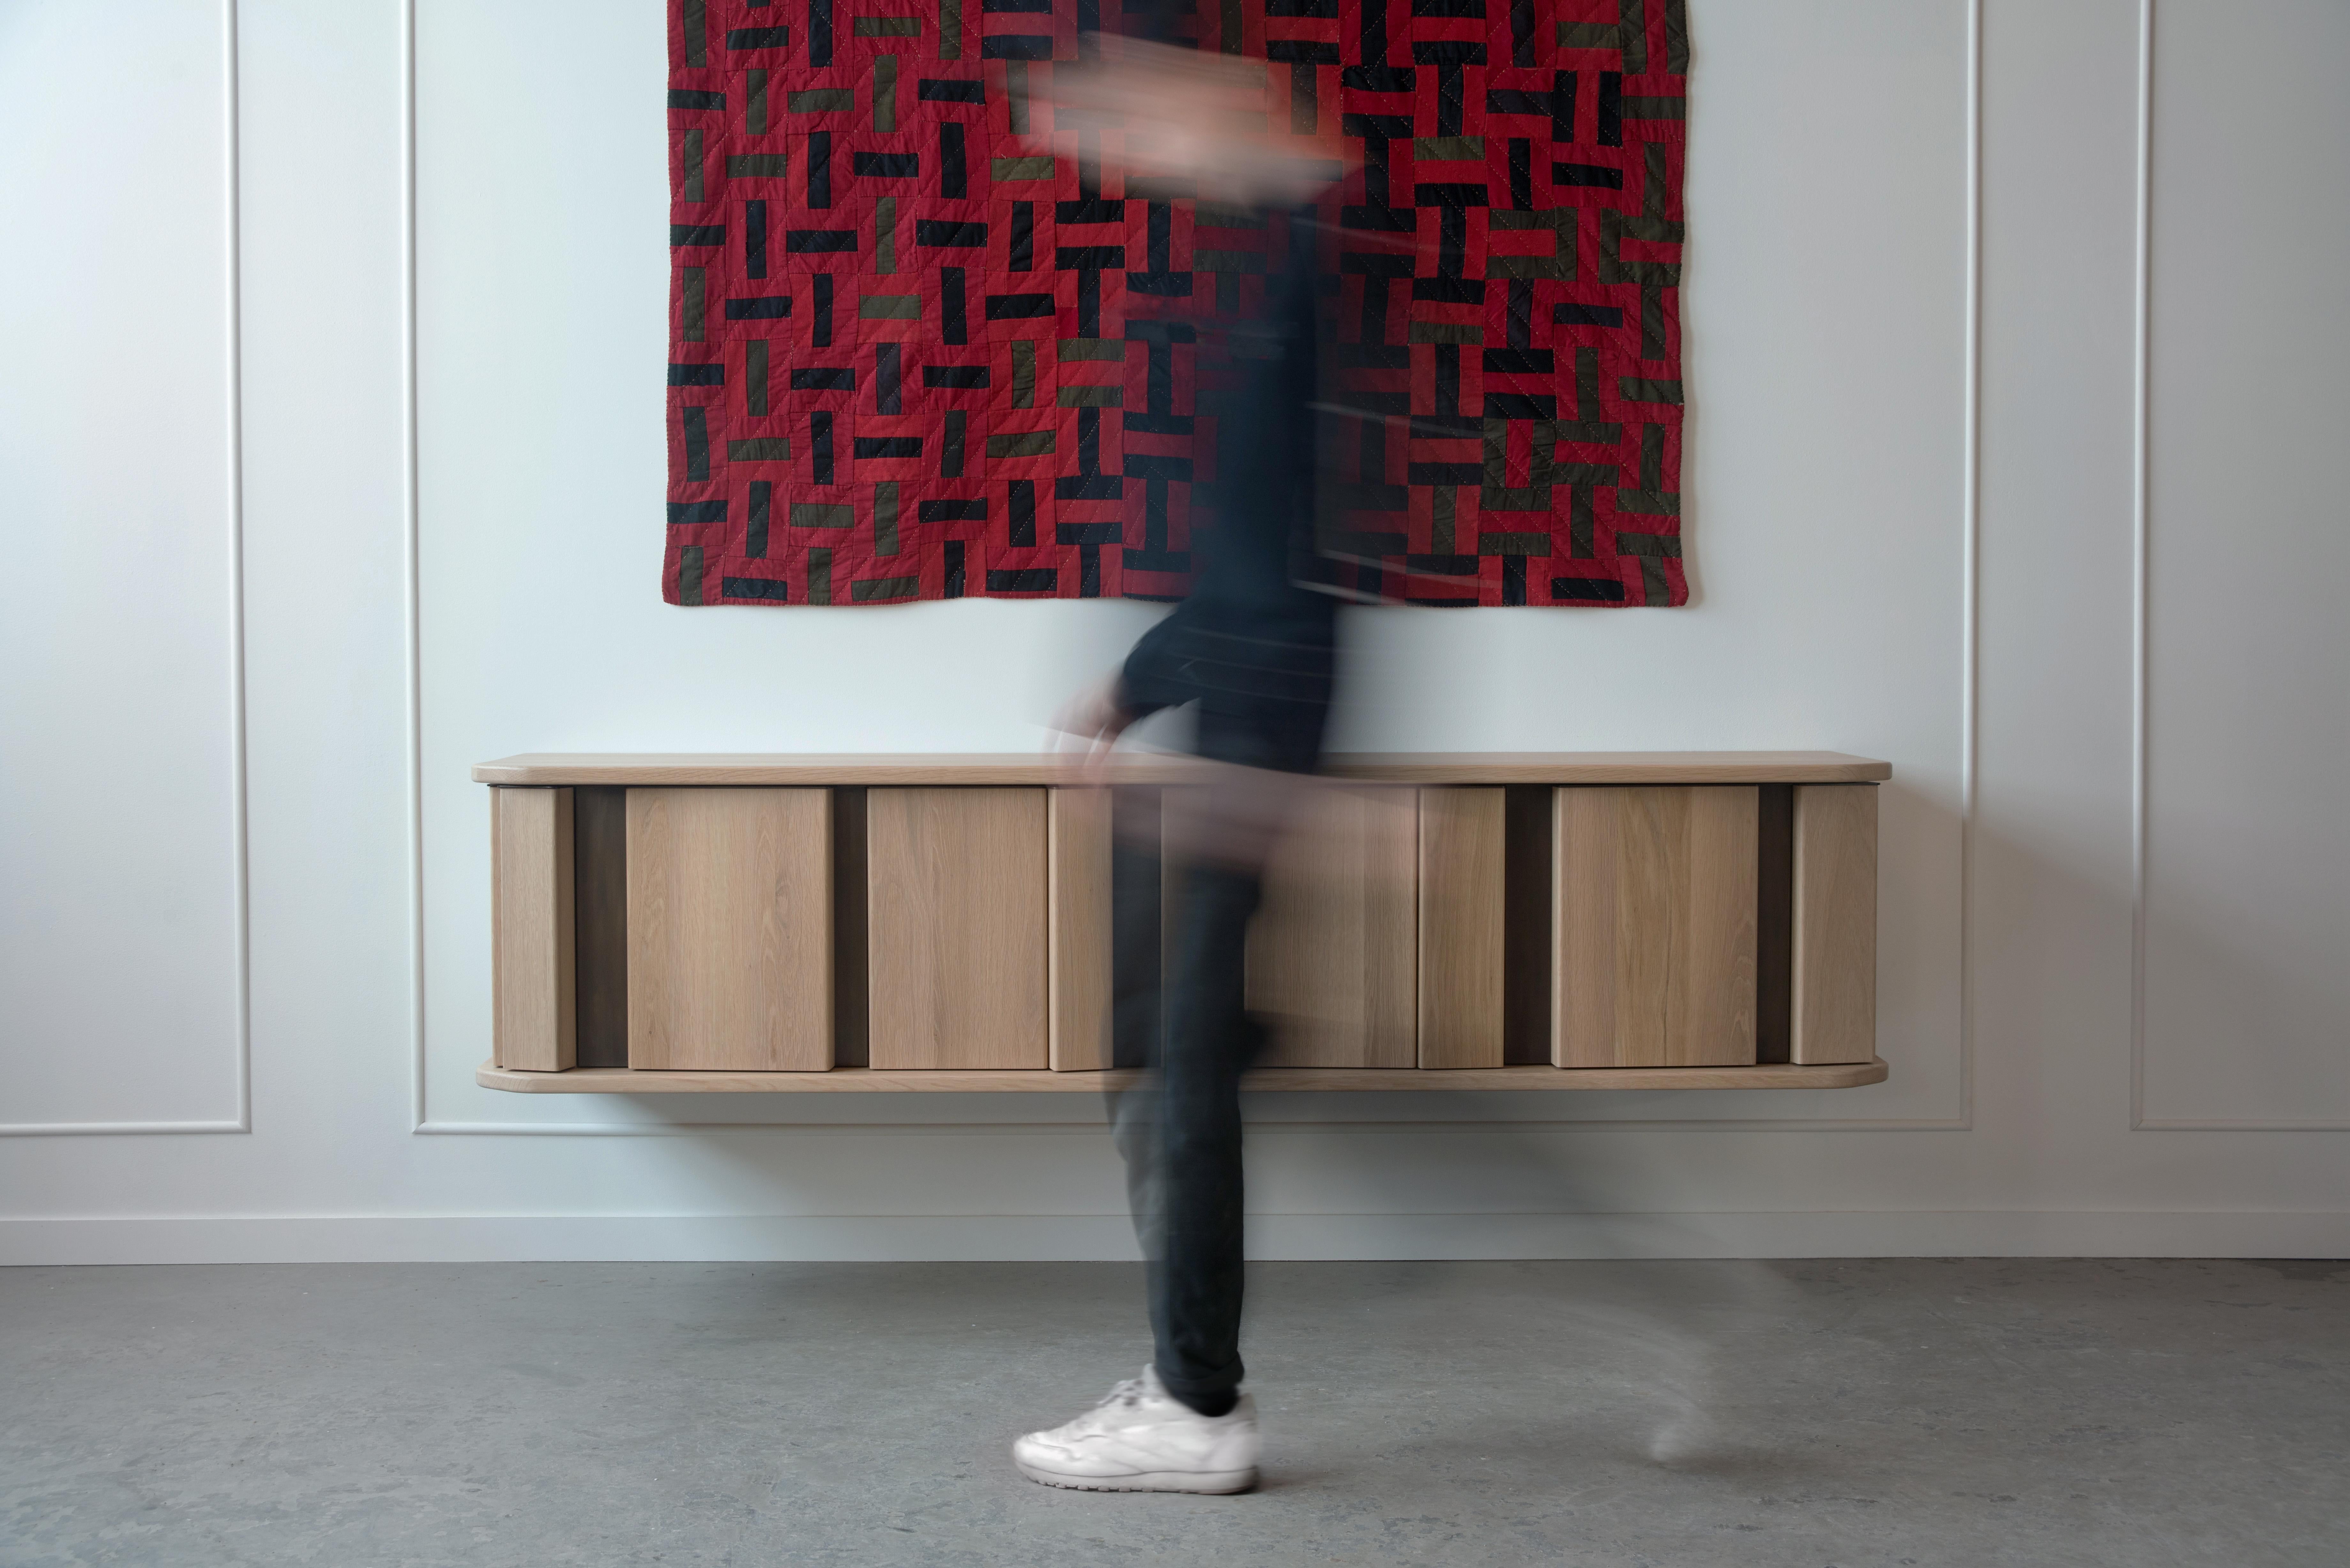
<point>118,745</point>
<point>2246,977</point>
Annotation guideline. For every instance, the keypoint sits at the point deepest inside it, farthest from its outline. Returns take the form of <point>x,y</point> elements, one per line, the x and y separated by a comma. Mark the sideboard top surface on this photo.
<point>914,768</point>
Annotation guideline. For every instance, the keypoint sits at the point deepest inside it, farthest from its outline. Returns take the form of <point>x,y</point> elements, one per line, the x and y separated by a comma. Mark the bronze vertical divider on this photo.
<point>852,998</point>
<point>1774,924</point>
<point>1527,944</point>
<point>600,853</point>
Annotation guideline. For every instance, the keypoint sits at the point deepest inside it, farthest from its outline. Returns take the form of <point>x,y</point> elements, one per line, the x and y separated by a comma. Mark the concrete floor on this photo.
<point>1964,1413</point>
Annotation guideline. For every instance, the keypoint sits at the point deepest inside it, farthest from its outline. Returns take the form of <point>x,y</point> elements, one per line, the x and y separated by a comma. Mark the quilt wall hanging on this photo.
<point>914,357</point>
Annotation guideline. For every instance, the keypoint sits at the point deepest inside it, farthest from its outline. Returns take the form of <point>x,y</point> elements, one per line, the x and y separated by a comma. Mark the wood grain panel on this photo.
<point>1583,921</point>
<point>730,929</point>
<point>868,1081</point>
<point>1330,955</point>
<point>1656,921</point>
<point>1077,913</point>
<point>1835,924</point>
<point>534,991</point>
<point>757,769</point>
<point>1461,909</point>
<point>956,896</point>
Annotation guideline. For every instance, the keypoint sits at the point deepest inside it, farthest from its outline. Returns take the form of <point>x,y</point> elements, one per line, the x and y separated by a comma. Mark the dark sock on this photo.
<point>1209,1404</point>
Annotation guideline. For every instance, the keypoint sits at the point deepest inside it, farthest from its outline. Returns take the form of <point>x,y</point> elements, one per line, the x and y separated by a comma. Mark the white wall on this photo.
<point>1876,572</point>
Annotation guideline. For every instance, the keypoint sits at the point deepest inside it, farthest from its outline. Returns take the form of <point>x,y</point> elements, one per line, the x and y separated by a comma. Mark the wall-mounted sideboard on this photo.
<point>1566,921</point>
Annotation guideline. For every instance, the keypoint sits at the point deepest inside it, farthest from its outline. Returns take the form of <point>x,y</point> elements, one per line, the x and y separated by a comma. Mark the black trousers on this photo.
<point>1179,1129</point>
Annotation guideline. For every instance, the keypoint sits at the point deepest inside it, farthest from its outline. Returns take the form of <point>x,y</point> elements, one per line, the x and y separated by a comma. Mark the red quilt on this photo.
<point>914,358</point>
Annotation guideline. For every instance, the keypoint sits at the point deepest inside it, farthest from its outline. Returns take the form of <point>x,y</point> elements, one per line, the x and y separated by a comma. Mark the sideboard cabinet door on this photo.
<point>533,1026</point>
<point>1462,873</point>
<point>1331,958</point>
<point>955,905</point>
<point>730,929</point>
<point>1835,923</point>
<point>1656,922</point>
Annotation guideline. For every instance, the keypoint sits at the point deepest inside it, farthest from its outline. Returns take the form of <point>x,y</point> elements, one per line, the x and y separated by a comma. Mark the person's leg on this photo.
<point>1182,1426</point>
<point>1195,1259</point>
<point>1178,1127</point>
<point>1179,1131</point>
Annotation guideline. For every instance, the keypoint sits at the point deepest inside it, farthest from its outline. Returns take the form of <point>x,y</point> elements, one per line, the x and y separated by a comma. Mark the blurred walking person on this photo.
<point>1251,650</point>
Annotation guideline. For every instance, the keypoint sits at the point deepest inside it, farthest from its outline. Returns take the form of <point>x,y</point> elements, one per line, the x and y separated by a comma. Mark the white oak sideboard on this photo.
<point>667,924</point>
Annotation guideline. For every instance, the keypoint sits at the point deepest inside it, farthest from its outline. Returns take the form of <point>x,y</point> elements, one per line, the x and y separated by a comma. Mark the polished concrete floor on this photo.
<point>1684,1415</point>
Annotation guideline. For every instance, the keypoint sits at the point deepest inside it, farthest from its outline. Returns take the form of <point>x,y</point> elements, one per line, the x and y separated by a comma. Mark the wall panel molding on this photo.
<point>2139,325</point>
<point>233,393</point>
<point>2143,630</point>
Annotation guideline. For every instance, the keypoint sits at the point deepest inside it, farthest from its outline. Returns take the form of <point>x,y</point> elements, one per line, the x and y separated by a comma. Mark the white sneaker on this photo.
<point>1142,1439</point>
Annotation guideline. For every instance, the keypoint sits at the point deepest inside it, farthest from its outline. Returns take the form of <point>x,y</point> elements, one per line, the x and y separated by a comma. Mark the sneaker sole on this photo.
<point>1213,1482</point>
